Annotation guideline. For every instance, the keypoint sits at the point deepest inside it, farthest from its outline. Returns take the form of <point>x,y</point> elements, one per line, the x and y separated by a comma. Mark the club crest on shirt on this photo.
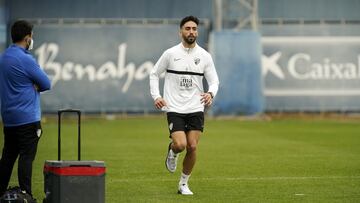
<point>196,61</point>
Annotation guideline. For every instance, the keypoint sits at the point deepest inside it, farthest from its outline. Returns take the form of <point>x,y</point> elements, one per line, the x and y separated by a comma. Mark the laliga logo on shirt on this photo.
<point>301,66</point>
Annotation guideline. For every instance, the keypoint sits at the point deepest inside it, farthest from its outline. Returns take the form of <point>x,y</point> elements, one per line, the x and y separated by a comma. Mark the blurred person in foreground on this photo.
<point>21,81</point>
<point>184,98</point>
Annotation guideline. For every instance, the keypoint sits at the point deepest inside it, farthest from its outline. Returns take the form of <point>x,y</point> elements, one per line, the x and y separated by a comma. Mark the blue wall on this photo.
<point>310,9</point>
<point>109,8</point>
<point>237,56</point>
<point>287,9</point>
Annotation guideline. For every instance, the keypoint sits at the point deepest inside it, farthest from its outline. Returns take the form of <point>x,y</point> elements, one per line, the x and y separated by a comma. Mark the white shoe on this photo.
<point>171,160</point>
<point>184,190</point>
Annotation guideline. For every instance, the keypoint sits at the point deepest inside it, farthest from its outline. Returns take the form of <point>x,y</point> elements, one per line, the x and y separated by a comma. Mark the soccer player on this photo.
<point>184,98</point>
<point>21,81</point>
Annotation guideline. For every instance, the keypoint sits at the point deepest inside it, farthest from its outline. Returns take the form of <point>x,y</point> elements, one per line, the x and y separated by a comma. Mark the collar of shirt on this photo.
<point>188,50</point>
<point>19,47</point>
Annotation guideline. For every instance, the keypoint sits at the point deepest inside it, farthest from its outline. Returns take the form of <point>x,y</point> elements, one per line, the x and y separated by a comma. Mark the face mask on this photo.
<point>31,45</point>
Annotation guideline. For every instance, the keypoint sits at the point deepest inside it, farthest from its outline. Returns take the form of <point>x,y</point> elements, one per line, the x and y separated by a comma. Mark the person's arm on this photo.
<point>37,75</point>
<point>213,83</point>
<point>211,77</point>
<point>155,73</point>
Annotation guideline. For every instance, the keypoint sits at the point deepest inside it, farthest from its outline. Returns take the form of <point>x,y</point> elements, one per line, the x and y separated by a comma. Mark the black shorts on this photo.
<point>185,122</point>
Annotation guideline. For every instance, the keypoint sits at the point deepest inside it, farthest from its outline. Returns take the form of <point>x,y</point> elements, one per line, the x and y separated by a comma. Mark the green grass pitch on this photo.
<point>287,160</point>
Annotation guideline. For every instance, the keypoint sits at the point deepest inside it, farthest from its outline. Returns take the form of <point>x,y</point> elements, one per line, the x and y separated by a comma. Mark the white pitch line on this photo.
<point>109,179</point>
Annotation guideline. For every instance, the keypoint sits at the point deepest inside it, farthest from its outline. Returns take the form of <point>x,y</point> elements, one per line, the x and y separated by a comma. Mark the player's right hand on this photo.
<point>159,103</point>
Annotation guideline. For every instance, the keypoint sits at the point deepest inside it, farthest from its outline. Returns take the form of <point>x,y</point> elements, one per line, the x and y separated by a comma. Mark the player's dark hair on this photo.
<point>20,29</point>
<point>189,18</point>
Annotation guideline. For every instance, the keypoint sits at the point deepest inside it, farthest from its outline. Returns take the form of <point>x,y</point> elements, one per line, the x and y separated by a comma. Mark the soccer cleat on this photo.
<point>171,160</point>
<point>184,190</point>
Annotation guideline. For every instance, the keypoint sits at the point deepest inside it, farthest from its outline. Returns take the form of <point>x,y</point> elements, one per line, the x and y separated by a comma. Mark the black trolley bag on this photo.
<point>73,181</point>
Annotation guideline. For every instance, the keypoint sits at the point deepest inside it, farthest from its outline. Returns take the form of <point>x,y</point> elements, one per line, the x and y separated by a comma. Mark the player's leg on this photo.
<point>177,145</point>
<point>178,139</point>
<point>8,158</point>
<point>29,136</point>
<point>195,125</point>
<point>179,142</point>
<point>193,137</point>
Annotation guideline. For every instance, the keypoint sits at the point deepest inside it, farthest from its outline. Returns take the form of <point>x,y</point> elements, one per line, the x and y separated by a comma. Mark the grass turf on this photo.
<point>286,160</point>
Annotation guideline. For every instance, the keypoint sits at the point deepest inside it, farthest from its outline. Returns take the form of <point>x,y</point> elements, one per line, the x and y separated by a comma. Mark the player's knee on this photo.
<point>191,147</point>
<point>178,146</point>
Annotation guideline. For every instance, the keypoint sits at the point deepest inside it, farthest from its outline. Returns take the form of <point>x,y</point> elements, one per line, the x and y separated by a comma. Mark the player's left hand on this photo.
<point>206,99</point>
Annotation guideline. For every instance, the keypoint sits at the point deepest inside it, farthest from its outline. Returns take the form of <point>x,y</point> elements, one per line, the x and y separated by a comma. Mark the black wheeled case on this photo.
<point>73,181</point>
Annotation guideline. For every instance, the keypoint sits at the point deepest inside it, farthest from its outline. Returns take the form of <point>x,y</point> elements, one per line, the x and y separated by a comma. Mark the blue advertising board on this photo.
<point>311,73</point>
<point>102,67</point>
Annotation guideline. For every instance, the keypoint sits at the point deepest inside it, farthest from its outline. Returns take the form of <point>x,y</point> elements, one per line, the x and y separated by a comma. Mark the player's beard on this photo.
<point>189,39</point>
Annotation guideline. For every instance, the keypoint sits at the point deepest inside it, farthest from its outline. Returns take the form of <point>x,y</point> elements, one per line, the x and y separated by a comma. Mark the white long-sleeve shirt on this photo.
<point>185,69</point>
